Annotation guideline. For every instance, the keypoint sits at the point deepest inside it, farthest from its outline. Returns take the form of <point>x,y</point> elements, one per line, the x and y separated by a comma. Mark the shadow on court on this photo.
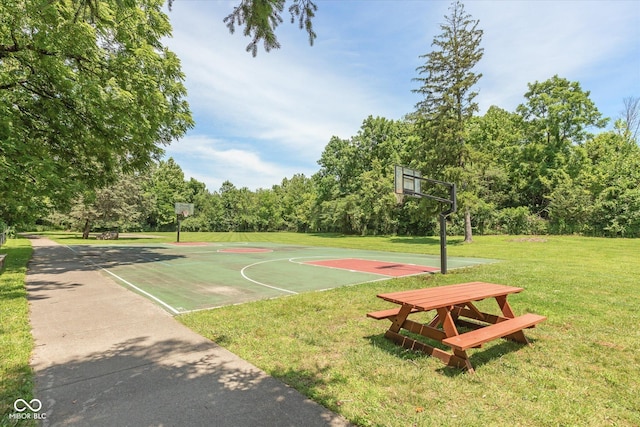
<point>90,258</point>
<point>105,356</point>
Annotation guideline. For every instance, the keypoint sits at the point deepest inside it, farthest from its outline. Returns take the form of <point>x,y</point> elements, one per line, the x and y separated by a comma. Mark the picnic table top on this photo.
<point>442,296</point>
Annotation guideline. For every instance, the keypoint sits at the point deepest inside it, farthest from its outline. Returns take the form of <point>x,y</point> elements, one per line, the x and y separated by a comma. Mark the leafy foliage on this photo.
<point>86,90</point>
<point>89,96</point>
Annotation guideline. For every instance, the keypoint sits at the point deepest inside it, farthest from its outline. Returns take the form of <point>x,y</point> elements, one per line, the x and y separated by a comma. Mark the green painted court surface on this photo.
<point>187,277</point>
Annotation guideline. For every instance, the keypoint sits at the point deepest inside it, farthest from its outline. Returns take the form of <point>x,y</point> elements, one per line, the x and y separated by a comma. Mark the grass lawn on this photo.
<point>582,368</point>
<point>16,343</point>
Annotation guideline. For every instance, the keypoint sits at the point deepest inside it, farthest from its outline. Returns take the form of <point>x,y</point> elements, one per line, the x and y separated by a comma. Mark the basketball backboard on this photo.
<point>407,181</point>
<point>184,209</point>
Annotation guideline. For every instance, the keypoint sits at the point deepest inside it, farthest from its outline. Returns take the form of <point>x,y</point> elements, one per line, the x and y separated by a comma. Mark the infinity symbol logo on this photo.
<point>35,405</point>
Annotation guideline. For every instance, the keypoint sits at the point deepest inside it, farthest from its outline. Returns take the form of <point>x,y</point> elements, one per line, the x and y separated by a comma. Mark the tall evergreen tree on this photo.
<point>447,79</point>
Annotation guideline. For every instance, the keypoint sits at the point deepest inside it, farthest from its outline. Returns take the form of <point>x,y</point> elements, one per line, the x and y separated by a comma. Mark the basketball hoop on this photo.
<point>409,182</point>
<point>182,210</point>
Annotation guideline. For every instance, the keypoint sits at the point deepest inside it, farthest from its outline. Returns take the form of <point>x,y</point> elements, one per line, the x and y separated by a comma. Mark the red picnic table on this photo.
<point>454,307</point>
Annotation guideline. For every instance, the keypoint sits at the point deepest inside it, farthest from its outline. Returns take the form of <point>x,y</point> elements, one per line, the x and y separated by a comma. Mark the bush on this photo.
<point>519,221</point>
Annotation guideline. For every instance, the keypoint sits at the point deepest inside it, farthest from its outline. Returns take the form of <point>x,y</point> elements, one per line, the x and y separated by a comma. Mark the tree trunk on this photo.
<point>87,228</point>
<point>468,234</point>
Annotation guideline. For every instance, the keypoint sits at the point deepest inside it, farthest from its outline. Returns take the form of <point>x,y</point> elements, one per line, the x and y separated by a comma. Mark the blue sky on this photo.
<point>259,120</point>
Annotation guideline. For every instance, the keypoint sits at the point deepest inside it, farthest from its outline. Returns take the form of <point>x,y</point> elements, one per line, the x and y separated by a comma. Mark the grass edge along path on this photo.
<point>16,341</point>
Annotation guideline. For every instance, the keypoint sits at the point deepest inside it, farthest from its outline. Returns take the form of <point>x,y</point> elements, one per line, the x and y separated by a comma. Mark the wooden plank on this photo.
<point>397,321</point>
<point>491,332</point>
<point>441,296</point>
<point>385,314</point>
<point>457,360</point>
<point>424,330</point>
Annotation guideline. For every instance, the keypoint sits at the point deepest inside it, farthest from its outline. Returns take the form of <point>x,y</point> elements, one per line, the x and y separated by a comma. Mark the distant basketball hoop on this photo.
<point>182,210</point>
<point>409,182</point>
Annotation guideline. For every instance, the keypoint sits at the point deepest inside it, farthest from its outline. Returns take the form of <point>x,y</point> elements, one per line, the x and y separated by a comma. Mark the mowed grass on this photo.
<point>582,369</point>
<point>16,343</point>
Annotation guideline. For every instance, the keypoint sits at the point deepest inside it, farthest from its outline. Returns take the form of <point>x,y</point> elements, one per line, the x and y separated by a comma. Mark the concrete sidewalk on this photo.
<point>106,356</point>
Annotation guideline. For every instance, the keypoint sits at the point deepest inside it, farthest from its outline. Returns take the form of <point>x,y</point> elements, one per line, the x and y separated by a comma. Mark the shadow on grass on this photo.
<point>478,357</point>
<point>422,240</point>
<point>432,240</point>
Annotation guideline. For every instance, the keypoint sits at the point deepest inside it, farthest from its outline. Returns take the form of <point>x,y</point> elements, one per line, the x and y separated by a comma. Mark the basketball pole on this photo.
<point>443,244</point>
<point>178,237</point>
<point>182,210</point>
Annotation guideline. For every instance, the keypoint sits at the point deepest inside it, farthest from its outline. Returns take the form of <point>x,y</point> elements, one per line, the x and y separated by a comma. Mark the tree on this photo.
<point>631,117</point>
<point>297,197</point>
<point>166,187</point>
<point>121,206</point>
<point>355,181</point>
<point>87,90</point>
<point>447,80</point>
<point>557,117</point>
<point>612,178</point>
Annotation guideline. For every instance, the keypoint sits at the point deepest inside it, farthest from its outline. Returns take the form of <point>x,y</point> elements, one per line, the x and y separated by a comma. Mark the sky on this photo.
<point>260,120</point>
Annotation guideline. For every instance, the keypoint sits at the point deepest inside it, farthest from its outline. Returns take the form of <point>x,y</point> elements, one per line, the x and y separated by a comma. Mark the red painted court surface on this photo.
<point>392,269</point>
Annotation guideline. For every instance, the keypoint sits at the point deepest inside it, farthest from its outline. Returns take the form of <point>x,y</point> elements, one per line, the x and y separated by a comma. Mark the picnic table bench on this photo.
<point>454,307</point>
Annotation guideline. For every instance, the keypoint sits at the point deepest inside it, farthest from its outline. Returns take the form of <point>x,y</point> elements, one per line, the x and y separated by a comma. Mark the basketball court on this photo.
<point>186,277</point>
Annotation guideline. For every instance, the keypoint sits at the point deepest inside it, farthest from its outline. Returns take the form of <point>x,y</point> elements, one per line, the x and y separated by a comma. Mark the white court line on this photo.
<point>264,284</point>
<point>158,300</point>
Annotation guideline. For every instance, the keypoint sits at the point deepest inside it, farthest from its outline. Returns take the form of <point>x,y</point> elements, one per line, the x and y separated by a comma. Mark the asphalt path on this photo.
<point>106,356</point>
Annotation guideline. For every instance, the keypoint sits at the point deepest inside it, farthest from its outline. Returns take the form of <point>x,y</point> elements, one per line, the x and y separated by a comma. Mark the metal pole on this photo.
<point>443,244</point>
<point>178,238</point>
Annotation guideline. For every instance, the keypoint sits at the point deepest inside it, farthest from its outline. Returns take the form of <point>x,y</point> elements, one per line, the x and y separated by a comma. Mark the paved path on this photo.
<point>106,356</point>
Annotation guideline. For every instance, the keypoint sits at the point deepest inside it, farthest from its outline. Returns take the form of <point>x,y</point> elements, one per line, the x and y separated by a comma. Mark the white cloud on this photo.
<point>214,161</point>
<point>262,119</point>
<point>291,97</point>
<point>528,41</point>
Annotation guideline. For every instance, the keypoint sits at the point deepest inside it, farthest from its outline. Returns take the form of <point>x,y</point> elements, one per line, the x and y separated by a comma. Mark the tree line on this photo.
<point>89,95</point>
<point>522,179</point>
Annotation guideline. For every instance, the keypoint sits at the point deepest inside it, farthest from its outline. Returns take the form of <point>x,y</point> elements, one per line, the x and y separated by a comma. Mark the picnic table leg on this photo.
<point>508,312</point>
<point>459,358</point>
<point>398,320</point>
<point>435,321</point>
